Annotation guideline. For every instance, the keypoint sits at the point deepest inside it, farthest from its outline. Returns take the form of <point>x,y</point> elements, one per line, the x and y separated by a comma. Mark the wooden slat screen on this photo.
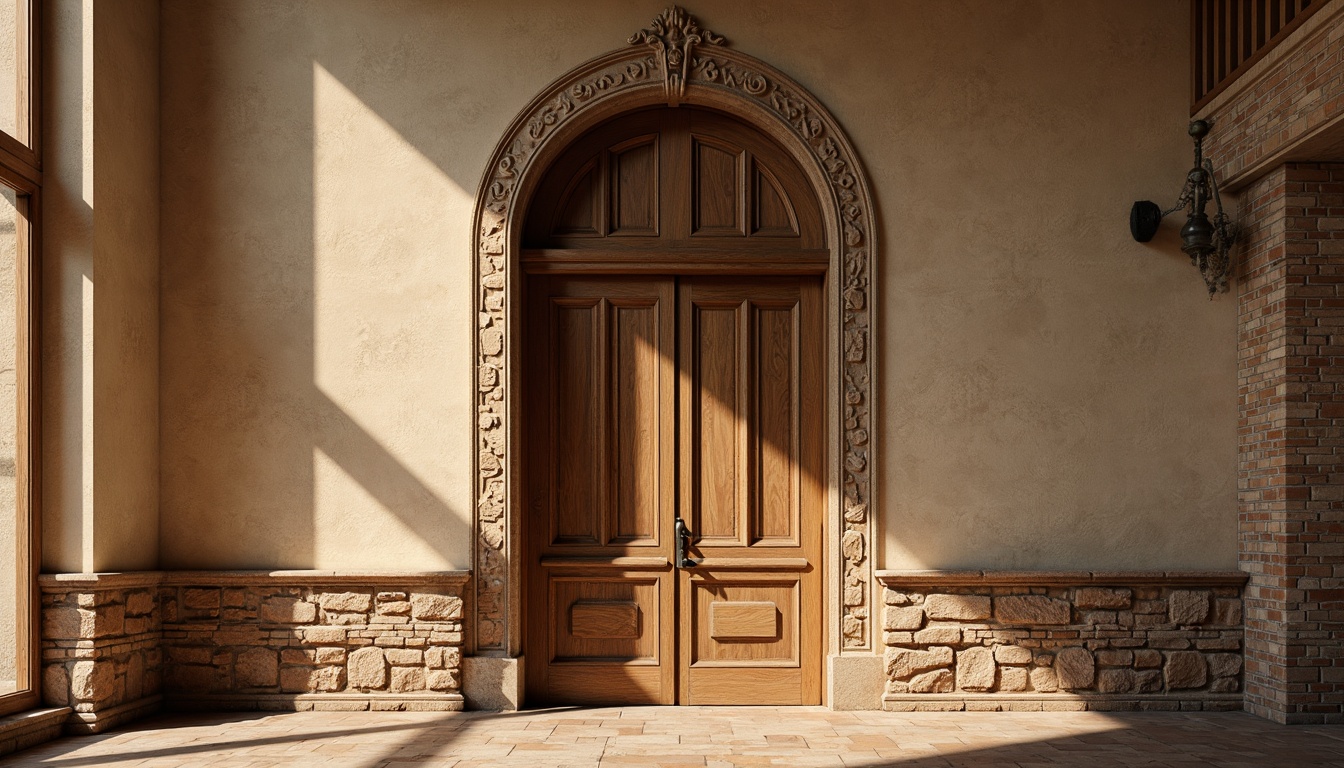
<point>1231,35</point>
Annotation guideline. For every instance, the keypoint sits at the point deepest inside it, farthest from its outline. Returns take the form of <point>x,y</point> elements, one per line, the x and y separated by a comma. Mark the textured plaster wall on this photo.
<point>1053,394</point>
<point>100,286</point>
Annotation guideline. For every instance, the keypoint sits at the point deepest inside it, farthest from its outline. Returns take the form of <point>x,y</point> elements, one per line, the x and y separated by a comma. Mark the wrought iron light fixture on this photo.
<point>1207,242</point>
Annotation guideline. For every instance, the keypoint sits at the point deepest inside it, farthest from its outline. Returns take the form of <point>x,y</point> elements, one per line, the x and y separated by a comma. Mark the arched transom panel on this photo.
<point>682,179</point>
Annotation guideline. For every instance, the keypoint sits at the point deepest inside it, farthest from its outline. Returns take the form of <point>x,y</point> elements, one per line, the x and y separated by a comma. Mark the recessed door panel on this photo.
<point>636,366</point>
<point>718,193</point>
<point>605,617</point>
<point>744,620</point>
<point>576,496</point>
<point>634,187</point>
<point>716,429</point>
<point>774,464</point>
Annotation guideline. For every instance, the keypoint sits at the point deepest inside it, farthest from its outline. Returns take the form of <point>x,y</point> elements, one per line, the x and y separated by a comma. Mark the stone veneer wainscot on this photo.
<point>1076,640</point>
<point>115,645</point>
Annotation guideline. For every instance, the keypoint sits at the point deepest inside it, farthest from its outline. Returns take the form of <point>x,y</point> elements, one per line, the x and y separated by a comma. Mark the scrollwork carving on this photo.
<point>673,36</point>
<point>689,58</point>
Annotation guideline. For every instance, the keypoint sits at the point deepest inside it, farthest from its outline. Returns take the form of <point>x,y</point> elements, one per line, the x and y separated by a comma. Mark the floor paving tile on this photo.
<point>718,737</point>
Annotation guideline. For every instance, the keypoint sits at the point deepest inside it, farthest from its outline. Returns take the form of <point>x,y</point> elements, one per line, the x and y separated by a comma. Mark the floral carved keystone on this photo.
<point>673,36</point>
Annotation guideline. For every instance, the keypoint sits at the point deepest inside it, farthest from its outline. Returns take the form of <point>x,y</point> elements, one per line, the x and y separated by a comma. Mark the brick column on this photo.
<point>1291,435</point>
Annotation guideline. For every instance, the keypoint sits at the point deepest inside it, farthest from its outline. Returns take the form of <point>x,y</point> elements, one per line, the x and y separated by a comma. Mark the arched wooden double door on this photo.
<point>674,402</point>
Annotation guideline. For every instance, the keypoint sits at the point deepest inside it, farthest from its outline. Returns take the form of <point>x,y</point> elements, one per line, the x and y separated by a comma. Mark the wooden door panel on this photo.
<point>608,639</point>
<point>751,453</point>
<point>601,437</point>
<point>647,397</point>
<point>636,369</point>
<point>744,620</point>
<point>634,187</point>
<point>715,431</point>
<point>575,497</point>
<point>718,198</point>
<point>774,463</point>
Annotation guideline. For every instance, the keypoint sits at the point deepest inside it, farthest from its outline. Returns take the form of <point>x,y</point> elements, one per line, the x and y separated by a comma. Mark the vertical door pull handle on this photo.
<point>683,535</point>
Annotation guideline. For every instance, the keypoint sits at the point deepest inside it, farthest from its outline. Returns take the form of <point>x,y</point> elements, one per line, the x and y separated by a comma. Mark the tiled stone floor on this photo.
<point>707,736</point>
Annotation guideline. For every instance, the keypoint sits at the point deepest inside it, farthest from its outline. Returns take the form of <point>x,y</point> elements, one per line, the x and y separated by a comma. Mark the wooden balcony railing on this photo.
<point>1231,35</point>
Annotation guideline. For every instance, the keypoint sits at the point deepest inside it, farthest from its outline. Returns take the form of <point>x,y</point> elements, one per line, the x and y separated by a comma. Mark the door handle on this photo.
<point>683,535</point>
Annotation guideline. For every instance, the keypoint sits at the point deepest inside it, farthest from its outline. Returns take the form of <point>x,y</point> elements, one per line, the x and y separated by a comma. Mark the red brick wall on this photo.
<point>1294,92</point>
<point>1291,433</point>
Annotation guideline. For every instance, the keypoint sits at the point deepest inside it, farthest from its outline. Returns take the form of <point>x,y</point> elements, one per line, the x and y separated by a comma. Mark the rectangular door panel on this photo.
<point>636,414</point>
<point>775,464</point>
<point>575,497</point>
<point>608,639</point>
<point>744,621</point>
<point>604,618</point>
<point>715,429</point>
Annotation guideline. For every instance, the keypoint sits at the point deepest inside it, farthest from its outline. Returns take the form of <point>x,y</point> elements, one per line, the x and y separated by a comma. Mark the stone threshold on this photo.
<point>66,582</point>
<point>28,729</point>
<point>81,723</point>
<point>1017,702</point>
<point>974,578</point>
<point>316,702</point>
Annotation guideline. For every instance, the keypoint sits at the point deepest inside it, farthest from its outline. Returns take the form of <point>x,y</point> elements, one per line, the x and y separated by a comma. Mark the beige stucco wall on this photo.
<point>100,286</point>
<point>1053,394</point>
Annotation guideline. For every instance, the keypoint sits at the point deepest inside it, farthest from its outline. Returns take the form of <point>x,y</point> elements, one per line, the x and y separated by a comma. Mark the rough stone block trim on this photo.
<point>1058,641</point>
<point>113,643</point>
<point>100,647</point>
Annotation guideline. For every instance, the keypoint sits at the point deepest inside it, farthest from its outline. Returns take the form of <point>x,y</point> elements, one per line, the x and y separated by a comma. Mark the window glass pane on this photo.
<point>13,45</point>
<point>13,584</point>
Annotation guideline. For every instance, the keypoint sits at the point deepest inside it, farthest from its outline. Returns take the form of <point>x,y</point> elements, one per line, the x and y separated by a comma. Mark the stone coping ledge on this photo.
<point>81,723</point>
<point>1016,702</point>
<point>65,582</point>
<point>923,578</point>
<point>310,702</point>
<point>30,728</point>
<point>31,720</point>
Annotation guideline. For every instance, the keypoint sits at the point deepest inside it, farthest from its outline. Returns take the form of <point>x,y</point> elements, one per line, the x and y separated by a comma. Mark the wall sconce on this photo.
<point>1206,242</point>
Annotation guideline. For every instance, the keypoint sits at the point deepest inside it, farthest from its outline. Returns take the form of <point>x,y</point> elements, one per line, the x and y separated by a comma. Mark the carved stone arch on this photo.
<point>675,62</point>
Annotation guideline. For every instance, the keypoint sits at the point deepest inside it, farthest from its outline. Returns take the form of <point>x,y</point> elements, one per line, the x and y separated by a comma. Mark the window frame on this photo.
<point>20,170</point>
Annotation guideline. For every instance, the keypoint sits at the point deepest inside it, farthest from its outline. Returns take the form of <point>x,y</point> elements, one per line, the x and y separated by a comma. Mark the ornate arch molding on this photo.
<point>674,62</point>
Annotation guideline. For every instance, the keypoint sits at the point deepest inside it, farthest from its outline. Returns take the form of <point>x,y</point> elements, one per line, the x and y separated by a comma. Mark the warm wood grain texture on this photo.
<point>581,205</point>
<point>673,364</point>
<point>634,187</point>
<point>743,619</point>
<point>576,501</point>
<point>672,179</point>
<point>776,343</point>
<point>609,619</point>
<point>636,367</point>
<point>601,434</point>
<point>717,188</point>
<point>772,214</point>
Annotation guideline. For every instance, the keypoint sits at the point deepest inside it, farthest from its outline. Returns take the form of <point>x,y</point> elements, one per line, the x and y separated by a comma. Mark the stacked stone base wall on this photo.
<point>101,652</point>
<point>1062,641</point>
<point>114,646</point>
